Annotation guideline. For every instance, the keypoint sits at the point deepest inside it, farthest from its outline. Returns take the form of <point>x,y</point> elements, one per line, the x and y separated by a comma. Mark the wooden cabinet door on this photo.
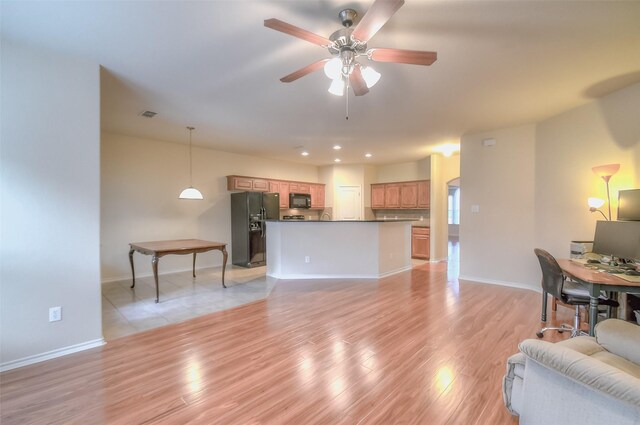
<point>284,195</point>
<point>317,195</point>
<point>274,186</point>
<point>293,187</point>
<point>409,195</point>
<point>240,183</point>
<point>377,196</point>
<point>304,188</point>
<point>424,193</point>
<point>420,243</point>
<point>320,197</point>
<point>260,185</point>
<point>392,195</point>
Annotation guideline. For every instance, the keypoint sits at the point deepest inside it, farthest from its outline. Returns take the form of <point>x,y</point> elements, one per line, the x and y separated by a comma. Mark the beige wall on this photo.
<point>141,180</point>
<point>405,171</point>
<point>496,243</point>
<point>50,191</point>
<point>602,132</point>
<point>533,185</point>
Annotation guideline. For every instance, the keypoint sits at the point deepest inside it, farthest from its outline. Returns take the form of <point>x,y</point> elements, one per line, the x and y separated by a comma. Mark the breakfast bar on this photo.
<point>337,249</point>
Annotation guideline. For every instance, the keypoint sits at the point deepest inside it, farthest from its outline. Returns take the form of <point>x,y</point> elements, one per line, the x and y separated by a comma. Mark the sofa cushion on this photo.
<point>620,337</point>
<point>512,383</point>
<point>586,370</point>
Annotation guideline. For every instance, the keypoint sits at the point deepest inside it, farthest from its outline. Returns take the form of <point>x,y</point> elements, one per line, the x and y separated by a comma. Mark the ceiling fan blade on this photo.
<point>304,71</point>
<point>377,15</point>
<point>413,57</point>
<point>357,82</point>
<point>278,25</point>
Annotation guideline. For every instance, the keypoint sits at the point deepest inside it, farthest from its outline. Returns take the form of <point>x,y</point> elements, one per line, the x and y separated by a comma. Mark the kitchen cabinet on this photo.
<point>284,195</point>
<point>409,195</point>
<point>424,193</point>
<point>377,196</point>
<point>420,242</point>
<point>317,195</point>
<point>283,187</point>
<point>247,184</point>
<point>401,195</point>
<point>392,195</point>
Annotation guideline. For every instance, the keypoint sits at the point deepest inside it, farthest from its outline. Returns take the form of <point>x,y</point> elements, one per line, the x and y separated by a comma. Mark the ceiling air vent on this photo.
<point>148,114</point>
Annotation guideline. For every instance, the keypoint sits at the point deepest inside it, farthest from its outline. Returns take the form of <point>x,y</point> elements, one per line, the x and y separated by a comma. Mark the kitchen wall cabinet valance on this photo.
<point>283,187</point>
<point>401,195</point>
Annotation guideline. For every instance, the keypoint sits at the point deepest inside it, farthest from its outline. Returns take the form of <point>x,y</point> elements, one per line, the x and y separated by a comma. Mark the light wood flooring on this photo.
<point>414,348</point>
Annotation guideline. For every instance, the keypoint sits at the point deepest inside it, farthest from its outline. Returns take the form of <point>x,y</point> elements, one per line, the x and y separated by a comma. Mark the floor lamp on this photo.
<point>606,171</point>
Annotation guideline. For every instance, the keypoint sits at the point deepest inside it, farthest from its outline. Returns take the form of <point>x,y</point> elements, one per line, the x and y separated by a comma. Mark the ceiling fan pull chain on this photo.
<point>347,98</point>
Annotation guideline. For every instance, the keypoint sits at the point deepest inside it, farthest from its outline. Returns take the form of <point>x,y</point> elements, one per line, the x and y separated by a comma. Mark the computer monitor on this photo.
<point>629,204</point>
<point>620,239</point>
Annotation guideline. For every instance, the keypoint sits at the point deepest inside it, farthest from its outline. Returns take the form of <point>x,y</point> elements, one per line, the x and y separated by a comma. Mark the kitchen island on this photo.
<point>313,249</point>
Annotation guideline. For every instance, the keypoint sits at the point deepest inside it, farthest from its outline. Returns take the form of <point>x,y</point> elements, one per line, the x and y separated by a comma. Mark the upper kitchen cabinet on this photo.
<point>424,194</point>
<point>400,195</point>
<point>317,195</point>
<point>392,195</point>
<point>283,187</point>
<point>377,196</point>
<point>247,183</point>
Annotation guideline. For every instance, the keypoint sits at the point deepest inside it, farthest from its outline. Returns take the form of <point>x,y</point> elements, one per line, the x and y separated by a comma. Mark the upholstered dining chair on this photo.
<point>556,284</point>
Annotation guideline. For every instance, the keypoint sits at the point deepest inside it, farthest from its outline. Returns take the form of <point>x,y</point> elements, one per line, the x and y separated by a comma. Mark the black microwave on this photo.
<point>299,200</point>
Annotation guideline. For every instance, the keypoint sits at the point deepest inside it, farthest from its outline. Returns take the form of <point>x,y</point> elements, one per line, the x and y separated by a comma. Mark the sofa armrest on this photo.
<point>584,370</point>
<point>620,338</point>
<point>512,383</point>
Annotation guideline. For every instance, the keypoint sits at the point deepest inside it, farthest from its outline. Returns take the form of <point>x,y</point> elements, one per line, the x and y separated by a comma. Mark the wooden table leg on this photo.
<point>194,264</point>
<point>224,264</point>
<point>133,273</point>
<point>154,264</point>
<point>594,293</point>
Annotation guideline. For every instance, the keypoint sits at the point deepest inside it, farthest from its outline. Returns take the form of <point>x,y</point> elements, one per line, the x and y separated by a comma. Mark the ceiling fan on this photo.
<point>347,44</point>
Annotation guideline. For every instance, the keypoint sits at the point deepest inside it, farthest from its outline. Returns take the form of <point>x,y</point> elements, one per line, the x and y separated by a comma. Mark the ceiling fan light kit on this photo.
<point>347,44</point>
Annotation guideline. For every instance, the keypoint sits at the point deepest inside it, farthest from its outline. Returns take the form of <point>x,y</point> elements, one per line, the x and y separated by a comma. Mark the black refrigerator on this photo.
<point>248,230</point>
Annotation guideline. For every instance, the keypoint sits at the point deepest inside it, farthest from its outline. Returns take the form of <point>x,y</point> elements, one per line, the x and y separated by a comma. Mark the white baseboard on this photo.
<point>37,358</point>
<point>472,279</point>
<point>335,276</point>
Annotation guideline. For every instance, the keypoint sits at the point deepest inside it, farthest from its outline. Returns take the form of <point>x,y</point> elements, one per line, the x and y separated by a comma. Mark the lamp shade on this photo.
<point>607,170</point>
<point>190,193</point>
<point>332,68</point>
<point>337,87</point>
<point>370,75</point>
<point>595,202</point>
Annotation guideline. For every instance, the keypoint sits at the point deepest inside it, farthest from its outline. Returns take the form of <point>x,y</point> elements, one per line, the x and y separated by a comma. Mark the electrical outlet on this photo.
<point>55,314</point>
<point>307,259</point>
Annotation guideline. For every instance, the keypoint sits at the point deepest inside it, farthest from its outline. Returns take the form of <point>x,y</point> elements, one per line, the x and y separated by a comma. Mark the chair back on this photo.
<point>552,276</point>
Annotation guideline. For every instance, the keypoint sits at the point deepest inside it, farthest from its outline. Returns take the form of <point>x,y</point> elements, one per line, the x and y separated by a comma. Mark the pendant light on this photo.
<point>190,192</point>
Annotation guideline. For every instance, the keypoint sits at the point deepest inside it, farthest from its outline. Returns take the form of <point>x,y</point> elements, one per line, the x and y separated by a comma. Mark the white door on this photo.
<point>349,203</point>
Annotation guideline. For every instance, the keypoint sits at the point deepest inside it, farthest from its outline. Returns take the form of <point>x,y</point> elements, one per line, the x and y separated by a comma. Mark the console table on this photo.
<point>159,249</point>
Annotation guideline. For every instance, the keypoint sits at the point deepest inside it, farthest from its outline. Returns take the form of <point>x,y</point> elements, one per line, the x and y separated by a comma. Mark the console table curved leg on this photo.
<point>133,273</point>
<point>194,264</point>
<point>154,264</point>
<point>224,264</point>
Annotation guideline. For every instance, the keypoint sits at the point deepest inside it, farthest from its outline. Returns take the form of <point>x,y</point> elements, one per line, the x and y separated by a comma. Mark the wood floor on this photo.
<point>408,349</point>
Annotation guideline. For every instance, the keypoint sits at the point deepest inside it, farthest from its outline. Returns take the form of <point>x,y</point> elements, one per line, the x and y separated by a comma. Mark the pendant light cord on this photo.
<point>190,158</point>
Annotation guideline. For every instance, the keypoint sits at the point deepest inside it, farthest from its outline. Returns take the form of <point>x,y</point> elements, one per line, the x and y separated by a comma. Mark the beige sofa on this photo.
<point>582,380</point>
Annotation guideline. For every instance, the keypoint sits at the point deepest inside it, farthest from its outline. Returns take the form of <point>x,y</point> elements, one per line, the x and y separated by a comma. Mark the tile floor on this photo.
<point>126,311</point>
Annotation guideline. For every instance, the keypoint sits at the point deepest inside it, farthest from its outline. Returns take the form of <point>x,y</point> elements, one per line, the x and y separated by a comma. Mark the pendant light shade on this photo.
<point>190,192</point>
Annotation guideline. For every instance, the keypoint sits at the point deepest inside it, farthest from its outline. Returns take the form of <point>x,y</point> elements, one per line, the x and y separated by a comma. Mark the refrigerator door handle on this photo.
<point>263,213</point>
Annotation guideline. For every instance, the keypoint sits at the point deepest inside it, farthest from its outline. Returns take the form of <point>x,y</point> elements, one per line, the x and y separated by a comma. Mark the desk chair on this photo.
<point>554,282</point>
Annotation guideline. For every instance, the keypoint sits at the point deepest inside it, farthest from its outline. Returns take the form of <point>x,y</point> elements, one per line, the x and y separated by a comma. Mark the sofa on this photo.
<point>583,380</point>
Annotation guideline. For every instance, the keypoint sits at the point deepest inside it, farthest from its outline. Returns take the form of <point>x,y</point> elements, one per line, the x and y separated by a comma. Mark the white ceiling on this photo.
<point>213,65</point>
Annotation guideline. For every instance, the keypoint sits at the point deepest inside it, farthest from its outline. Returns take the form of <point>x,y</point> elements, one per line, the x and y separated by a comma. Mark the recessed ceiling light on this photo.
<point>337,147</point>
<point>368,155</point>
<point>337,160</point>
<point>304,153</point>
